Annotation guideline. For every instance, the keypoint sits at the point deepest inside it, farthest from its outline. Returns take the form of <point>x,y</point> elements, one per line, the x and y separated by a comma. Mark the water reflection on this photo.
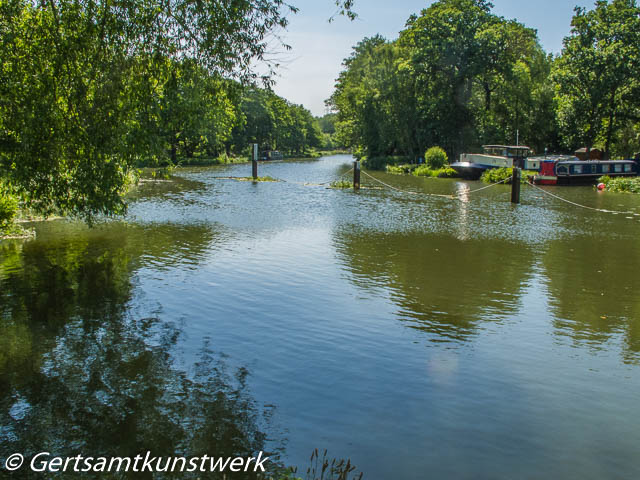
<point>431,280</point>
<point>593,289</point>
<point>83,372</point>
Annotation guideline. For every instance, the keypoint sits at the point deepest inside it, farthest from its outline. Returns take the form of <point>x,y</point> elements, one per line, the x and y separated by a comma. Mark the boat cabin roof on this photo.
<point>555,158</point>
<point>507,146</point>
<point>591,162</point>
<point>507,150</point>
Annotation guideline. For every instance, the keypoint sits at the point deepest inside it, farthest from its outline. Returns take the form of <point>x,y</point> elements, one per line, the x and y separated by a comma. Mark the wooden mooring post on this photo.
<point>515,185</point>
<point>254,162</point>
<point>356,175</point>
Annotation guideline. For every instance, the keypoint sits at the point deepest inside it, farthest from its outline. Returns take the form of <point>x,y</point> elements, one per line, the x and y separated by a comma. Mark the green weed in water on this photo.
<point>342,184</point>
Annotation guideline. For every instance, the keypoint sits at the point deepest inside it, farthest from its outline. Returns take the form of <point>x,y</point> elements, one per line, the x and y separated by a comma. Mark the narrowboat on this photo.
<point>472,165</point>
<point>564,171</point>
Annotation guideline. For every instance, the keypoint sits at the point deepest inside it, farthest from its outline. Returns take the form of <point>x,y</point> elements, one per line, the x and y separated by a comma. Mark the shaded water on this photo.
<point>418,336</point>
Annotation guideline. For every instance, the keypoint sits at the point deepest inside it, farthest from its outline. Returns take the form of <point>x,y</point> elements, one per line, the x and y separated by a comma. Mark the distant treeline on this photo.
<point>460,76</point>
<point>201,116</point>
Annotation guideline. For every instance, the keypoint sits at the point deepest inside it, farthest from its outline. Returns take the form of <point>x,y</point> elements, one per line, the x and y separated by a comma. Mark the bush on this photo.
<point>405,168</point>
<point>621,184</point>
<point>426,171</point>
<point>436,158</point>
<point>447,172</point>
<point>342,184</point>
<point>497,175</point>
<point>8,209</point>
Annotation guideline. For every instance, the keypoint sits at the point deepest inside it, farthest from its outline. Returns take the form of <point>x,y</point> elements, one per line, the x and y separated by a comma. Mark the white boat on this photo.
<point>472,165</point>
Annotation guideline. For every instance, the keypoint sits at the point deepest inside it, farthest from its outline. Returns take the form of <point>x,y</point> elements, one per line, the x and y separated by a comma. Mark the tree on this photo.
<point>596,74</point>
<point>81,83</point>
<point>458,76</point>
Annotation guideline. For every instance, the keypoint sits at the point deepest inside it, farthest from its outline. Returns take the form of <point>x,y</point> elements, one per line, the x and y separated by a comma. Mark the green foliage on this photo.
<point>459,76</point>
<point>8,209</point>
<point>90,90</point>
<point>498,175</point>
<point>598,92</point>
<point>436,158</point>
<point>275,124</point>
<point>405,168</point>
<point>342,184</point>
<point>621,184</point>
<point>426,171</point>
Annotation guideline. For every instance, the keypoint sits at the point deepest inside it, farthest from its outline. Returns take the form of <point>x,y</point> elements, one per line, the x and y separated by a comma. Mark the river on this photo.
<point>418,336</point>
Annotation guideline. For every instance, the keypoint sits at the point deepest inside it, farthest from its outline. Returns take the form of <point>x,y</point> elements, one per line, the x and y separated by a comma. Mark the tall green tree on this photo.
<point>458,76</point>
<point>597,73</point>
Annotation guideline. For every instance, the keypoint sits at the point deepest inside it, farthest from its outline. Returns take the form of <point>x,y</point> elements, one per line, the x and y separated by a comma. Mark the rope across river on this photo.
<point>459,195</point>
<point>453,197</point>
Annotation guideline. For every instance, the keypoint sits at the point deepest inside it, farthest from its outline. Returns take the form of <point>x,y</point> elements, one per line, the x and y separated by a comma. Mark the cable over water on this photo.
<point>452,197</point>
<point>603,210</point>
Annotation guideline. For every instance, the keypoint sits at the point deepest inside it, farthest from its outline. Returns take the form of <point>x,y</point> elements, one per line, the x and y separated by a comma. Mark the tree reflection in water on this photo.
<point>81,373</point>
<point>593,289</point>
<point>443,286</point>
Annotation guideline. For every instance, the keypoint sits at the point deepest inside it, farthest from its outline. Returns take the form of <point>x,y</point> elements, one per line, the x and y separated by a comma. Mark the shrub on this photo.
<point>436,158</point>
<point>447,172</point>
<point>621,184</point>
<point>342,184</point>
<point>425,171</point>
<point>497,175</point>
<point>8,208</point>
<point>401,169</point>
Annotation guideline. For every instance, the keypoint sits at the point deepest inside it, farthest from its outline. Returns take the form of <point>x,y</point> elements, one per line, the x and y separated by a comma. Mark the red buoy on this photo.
<point>601,186</point>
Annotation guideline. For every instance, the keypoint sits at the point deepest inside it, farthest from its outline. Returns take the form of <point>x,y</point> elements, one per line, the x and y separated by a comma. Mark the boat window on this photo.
<point>627,167</point>
<point>562,170</point>
<point>594,169</point>
<point>618,167</point>
<point>577,169</point>
<point>605,168</point>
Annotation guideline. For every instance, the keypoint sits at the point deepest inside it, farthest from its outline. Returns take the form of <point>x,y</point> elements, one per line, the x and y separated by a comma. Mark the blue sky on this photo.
<point>309,70</point>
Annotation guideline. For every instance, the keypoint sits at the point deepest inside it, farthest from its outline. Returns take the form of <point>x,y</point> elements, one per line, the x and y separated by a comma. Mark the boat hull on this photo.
<point>470,171</point>
<point>578,172</point>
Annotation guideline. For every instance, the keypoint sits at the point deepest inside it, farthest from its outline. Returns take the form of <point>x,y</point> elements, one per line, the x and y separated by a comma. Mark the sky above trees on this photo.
<point>309,70</point>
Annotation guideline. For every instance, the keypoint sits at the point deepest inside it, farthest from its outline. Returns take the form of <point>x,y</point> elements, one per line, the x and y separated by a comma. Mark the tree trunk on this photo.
<point>487,97</point>
<point>612,110</point>
<point>174,155</point>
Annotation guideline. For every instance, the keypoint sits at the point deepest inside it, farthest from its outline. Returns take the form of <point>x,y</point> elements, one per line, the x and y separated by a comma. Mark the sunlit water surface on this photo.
<point>419,336</point>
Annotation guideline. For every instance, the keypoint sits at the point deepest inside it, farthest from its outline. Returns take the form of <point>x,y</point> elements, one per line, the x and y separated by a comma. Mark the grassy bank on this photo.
<point>497,175</point>
<point>621,184</point>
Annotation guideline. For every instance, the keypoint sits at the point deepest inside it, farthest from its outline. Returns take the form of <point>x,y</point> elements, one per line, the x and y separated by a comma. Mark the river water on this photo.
<point>418,336</point>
